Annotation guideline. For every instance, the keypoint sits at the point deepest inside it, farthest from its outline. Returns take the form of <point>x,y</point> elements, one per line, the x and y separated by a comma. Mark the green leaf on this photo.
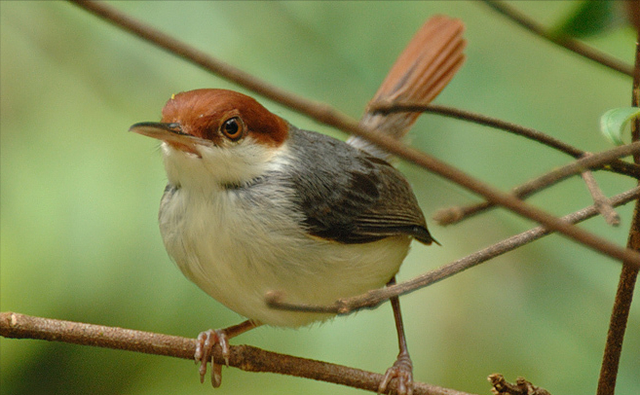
<point>588,18</point>
<point>614,122</point>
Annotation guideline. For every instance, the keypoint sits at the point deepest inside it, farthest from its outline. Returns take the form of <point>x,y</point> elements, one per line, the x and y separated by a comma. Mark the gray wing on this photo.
<point>354,197</point>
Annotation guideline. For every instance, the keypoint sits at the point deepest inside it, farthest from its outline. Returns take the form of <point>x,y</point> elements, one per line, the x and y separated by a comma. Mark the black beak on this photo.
<point>171,133</point>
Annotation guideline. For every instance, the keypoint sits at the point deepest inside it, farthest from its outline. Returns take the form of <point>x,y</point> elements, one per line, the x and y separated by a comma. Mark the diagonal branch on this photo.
<point>617,166</point>
<point>450,216</point>
<point>247,358</point>
<point>563,41</point>
<point>329,116</point>
<point>375,297</point>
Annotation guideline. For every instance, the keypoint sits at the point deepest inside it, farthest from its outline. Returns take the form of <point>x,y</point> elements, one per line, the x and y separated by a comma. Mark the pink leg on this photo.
<point>402,369</point>
<point>207,340</point>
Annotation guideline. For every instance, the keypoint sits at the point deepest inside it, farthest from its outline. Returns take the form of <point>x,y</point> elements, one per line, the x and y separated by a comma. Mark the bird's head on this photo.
<point>216,136</point>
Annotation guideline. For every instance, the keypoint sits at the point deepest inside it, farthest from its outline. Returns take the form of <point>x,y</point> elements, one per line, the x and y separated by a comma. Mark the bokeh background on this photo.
<point>79,195</point>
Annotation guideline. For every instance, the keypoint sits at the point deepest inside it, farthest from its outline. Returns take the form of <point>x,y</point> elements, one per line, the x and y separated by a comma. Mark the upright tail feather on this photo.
<point>422,70</point>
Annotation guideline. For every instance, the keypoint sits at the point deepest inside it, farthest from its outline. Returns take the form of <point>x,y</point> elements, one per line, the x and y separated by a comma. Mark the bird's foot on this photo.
<point>205,344</point>
<point>402,372</point>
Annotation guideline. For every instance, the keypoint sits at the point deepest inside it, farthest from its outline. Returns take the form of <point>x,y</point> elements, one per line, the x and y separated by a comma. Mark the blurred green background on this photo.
<point>79,195</point>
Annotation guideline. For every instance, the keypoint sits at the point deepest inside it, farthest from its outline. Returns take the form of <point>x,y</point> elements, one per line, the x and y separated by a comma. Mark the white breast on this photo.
<point>238,246</point>
<point>237,254</point>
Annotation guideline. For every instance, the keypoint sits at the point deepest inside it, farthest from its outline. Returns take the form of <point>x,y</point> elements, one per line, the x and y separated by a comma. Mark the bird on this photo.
<point>255,205</point>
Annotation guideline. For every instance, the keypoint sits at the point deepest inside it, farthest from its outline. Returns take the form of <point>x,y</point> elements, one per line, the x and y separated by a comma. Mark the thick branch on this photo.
<point>563,41</point>
<point>375,297</point>
<point>247,358</point>
<point>334,118</point>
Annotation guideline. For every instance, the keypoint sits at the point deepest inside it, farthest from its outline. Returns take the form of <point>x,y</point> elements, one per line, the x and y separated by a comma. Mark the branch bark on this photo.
<point>247,358</point>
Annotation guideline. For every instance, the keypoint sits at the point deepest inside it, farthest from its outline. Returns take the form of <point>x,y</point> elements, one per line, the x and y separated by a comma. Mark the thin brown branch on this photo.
<point>563,41</point>
<point>450,215</point>
<point>600,201</point>
<point>617,166</point>
<point>628,275</point>
<point>247,358</point>
<point>374,298</point>
<point>329,116</point>
<point>453,215</point>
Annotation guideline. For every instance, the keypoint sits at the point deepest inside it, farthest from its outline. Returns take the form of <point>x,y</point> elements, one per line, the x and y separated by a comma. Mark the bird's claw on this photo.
<point>205,343</point>
<point>402,372</point>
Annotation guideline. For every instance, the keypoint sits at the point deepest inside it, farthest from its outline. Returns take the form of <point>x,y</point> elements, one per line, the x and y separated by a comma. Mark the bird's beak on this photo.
<point>172,134</point>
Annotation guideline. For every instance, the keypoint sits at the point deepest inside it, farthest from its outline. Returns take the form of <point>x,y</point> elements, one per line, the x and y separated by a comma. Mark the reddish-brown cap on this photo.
<point>202,112</point>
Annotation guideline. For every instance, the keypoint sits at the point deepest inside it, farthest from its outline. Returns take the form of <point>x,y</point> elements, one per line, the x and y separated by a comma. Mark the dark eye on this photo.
<point>232,128</point>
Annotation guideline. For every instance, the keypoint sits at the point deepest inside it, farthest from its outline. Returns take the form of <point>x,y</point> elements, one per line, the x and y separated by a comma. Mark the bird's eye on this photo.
<point>233,129</point>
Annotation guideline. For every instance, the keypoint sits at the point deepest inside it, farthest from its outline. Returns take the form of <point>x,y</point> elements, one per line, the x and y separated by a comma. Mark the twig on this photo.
<point>600,201</point>
<point>329,116</point>
<point>247,358</point>
<point>374,298</point>
<point>617,166</point>
<point>563,41</point>
<point>578,166</point>
<point>628,275</point>
<point>521,387</point>
<point>450,215</point>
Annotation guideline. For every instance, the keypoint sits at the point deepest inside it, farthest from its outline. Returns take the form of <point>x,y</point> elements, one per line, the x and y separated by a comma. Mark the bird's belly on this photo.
<point>238,255</point>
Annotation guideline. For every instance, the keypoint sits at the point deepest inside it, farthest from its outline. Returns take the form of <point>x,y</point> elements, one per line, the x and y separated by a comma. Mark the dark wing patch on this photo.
<point>357,198</point>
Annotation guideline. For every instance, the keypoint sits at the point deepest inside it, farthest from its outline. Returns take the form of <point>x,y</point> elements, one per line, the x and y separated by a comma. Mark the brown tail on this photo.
<point>422,70</point>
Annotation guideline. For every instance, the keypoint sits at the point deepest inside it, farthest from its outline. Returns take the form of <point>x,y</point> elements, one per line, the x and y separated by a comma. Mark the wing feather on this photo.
<point>357,198</point>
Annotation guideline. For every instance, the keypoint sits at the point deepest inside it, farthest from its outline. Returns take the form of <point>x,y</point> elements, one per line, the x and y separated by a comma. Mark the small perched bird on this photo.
<point>254,205</point>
